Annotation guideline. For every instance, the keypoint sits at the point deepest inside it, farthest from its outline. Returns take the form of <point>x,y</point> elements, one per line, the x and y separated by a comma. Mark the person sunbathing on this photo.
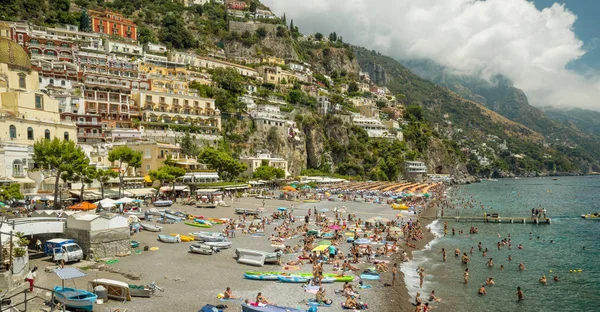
<point>321,296</point>
<point>351,303</point>
<point>261,299</point>
<point>299,262</point>
<point>227,294</point>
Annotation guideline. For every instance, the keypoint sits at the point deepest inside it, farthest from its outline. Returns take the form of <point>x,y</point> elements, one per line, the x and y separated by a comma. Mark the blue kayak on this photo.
<point>262,277</point>
<point>293,279</point>
<point>369,276</point>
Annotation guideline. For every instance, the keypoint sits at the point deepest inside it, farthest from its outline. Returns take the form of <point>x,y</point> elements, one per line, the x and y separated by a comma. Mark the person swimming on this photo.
<point>482,290</point>
<point>490,281</point>
<point>543,280</point>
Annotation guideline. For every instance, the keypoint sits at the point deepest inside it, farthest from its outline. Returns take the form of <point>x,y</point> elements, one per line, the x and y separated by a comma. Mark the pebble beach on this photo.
<point>192,280</point>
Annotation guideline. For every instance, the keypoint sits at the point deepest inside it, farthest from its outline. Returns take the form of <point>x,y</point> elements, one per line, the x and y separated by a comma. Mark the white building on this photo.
<point>199,177</point>
<point>374,127</point>
<point>254,162</point>
<point>415,170</point>
<point>263,14</point>
<point>155,48</point>
<point>201,62</point>
<point>120,47</point>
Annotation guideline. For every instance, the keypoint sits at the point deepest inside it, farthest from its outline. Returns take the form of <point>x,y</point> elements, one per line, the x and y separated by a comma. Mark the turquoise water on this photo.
<point>565,200</point>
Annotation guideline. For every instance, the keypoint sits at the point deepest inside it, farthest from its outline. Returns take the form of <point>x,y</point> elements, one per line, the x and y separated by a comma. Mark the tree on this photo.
<point>166,174</point>
<point>292,26</point>
<point>319,36</point>
<point>10,192</point>
<point>59,156</point>
<point>188,147</point>
<point>268,173</point>
<point>227,167</point>
<point>103,176</point>
<point>228,79</point>
<point>261,32</point>
<point>175,33</point>
<point>145,35</point>
<point>126,157</point>
<point>84,21</point>
<point>82,173</point>
<point>352,87</point>
<point>253,6</point>
<point>333,37</point>
<point>284,20</point>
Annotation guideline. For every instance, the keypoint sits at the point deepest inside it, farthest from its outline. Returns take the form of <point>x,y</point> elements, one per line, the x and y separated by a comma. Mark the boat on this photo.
<point>270,257</point>
<point>302,279</point>
<point>163,203</point>
<point>201,249</point>
<point>208,236</point>
<point>262,277</point>
<point>140,291</point>
<point>115,289</point>
<point>75,298</point>
<point>169,239</point>
<point>595,216</point>
<point>263,197</point>
<point>312,201</point>
<point>336,277</point>
<point>134,244</point>
<point>205,205</point>
<point>247,211</point>
<point>254,307</point>
<point>151,227</point>
<point>138,214</point>
<point>196,224</point>
<point>184,238</point>
<point>220,245</point>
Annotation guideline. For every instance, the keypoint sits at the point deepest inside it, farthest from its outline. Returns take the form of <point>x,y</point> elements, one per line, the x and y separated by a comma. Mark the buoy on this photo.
<point>550,271</point>
<point>570,271</point>
<point>579,271</point>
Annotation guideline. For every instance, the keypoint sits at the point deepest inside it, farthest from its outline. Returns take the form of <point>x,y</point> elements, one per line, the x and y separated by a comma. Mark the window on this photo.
<point>12,131</point>
<point>162,99</point>
<point>47,134</point>
<point>62,83</point>
<point>29,133</point>
<point>175,102</point>
<point>17,168</point>
<point>39,101</point>
<point>148,167</point>
<point>147,152</point>
<point>51,81</point>
<point>148,98</point>
<point>66,136</point>
<point>22,83</point>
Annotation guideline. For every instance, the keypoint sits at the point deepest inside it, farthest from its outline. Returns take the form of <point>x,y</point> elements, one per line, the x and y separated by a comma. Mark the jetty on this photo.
<point>494,218</point>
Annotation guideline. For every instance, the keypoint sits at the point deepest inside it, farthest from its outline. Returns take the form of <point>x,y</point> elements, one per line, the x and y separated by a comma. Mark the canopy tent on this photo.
<point>85,206</point>
<point>68,273</point>
<point>288,188</point>
<point>320,248</point>
<point>124,200</point>
<point>105,203</point>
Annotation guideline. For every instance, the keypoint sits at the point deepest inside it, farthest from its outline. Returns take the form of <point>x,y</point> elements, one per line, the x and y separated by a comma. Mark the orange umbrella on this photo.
<point>288,188</point>
<point>83,206</point>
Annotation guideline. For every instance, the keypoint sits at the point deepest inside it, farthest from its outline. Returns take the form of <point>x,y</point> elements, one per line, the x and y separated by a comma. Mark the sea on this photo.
<point>568,248</point>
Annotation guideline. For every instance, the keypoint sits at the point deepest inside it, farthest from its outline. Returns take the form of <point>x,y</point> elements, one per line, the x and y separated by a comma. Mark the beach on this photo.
<point>192,280</point>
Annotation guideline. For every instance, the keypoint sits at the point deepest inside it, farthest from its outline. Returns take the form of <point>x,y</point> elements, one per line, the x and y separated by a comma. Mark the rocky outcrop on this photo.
<point>376,73</point>
<point>339,60</point>
<point>271,45</point>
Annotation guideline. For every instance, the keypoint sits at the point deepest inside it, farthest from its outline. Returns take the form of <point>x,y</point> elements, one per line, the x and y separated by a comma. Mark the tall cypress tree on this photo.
<point>292,26</point>
<point>284,20</point>
<point>84,21</point>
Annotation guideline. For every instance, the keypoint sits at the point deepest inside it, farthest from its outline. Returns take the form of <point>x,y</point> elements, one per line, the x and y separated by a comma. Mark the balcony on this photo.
<point>90,135</point>
<point>89,123</point>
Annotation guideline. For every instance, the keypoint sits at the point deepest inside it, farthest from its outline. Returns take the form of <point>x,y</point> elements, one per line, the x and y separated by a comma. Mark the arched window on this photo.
<point>66,136</point>
<point>51,81</point>
<point>47,134</point>
<point>29,133</point>
<point>12,132</point>
<point>17,168</point>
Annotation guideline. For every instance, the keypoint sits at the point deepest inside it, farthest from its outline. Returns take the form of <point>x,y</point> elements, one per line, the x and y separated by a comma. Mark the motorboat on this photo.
<point>163,203</point>
<point>220,245</point>
<point>208,236</point>
<point>201,248</point>
<point>151,227</point>
<point>169,239</point>
<point>78,299</point>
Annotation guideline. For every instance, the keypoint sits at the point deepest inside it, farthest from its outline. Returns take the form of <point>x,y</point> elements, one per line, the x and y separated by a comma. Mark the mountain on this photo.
<point>492,123</point>
<point>581,145</point>
<point>584,120</point>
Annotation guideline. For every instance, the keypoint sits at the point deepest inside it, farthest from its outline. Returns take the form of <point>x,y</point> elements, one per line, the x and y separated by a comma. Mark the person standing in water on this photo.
<point>466,276</point>
<point>443,252</point>
<point>421,277</point>
<point>520,294</point>
<point>394,272</point>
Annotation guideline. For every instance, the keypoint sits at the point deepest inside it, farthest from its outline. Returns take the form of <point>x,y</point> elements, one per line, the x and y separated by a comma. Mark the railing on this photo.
<point>90,135</point>
<point>88,123</point>
<point>25,292</point>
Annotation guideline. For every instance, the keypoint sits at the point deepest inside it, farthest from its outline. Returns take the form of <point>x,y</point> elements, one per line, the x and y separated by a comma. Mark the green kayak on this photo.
<point>338,278</point>
<point>198,224</point>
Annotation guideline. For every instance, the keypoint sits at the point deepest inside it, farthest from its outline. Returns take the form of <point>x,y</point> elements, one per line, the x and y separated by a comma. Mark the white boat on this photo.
<point>115,289</point>
<point>208,236</point>
<point>201,249</point>
<point>169,239</point>
<point>220,245</point>
<point>151,227</point>
<point>163,203</point>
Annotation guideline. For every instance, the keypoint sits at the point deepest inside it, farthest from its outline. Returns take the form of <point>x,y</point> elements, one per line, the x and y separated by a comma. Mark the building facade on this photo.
<point>256,161</point>
<point>111,23</point>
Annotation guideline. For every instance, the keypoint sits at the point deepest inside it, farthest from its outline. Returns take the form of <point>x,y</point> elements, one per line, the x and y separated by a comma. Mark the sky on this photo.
<point>549,49</point>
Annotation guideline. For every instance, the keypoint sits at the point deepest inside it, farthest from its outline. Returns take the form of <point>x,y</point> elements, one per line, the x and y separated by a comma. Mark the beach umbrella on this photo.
<point>335,227</point>
<point>304,187</point>
<point>324,243</point>
<point>138,201</point>
<point>384,220</point>
<point>323,209</point>
<point>327,194</point>
<point>320,248</point>
<point>289,188</point>
<point>282,209</point>
<point>2,204</point>
<point>372,220</point>
<point>395,229</point>
<point>83,206</point>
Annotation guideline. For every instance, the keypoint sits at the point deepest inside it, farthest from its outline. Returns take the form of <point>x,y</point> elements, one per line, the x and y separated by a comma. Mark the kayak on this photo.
<point>265,277</point>
<point>202,225</point>
<point>293,279</point>
<point>336,277</point>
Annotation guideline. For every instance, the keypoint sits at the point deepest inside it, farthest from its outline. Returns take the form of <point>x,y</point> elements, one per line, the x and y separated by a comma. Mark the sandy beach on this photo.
<point>193,280</point>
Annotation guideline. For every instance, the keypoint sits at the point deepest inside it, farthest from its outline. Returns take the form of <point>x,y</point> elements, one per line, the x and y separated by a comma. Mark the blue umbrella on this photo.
<point>282,209</point>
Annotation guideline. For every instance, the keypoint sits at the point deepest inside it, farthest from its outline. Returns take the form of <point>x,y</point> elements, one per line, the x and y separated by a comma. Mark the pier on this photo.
<point>487,219</point>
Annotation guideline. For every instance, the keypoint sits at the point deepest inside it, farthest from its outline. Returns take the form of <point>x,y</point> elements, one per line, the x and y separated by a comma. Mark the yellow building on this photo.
<point>276,75</point>
<point>184,112</point>
<point>165,76</point>
<point>26,114</point>
<point>154,154</point>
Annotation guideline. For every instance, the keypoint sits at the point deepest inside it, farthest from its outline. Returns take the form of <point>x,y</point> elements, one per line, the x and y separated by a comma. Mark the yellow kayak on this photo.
<point>399,207</point>
<point>184,238</point>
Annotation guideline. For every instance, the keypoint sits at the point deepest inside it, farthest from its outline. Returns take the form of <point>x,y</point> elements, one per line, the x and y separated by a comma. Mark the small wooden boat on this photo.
<point>169,239</point>
<point>184,238</point>
<point>140,291</point>
<point>151,227</point>
<point>594,216</point>
<point>270,257</point>
<point>163,203</point>
<point>115,289</point>
<point>134,244</point>
<point>75,298</point>
<point>312,201</point>
<point>139,215</point>
<point>247,211</point>
<point>262,277</point>
<point>220,245</point>
<point>201,249</point>
<point>209,236</point>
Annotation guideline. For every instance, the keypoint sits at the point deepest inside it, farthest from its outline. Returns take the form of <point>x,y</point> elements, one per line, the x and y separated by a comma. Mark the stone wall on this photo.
<point>103,244</point>
<point>241,27</point>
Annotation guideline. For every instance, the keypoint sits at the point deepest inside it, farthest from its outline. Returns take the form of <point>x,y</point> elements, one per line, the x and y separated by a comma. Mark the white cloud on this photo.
<point>509,37</point>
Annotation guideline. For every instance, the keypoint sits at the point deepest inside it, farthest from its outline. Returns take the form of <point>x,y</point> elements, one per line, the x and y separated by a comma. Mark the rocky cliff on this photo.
<point>328,60</point>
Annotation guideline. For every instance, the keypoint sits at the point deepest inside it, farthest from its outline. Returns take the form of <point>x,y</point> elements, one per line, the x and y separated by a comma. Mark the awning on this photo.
<point>141,192</point>
<point>51,180</point>
<point>182,188</point>
<point>206,190</point>
<point>238,187</point>
<point>128,179</point>
<point>69,273</point>
<point>25,180</point>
